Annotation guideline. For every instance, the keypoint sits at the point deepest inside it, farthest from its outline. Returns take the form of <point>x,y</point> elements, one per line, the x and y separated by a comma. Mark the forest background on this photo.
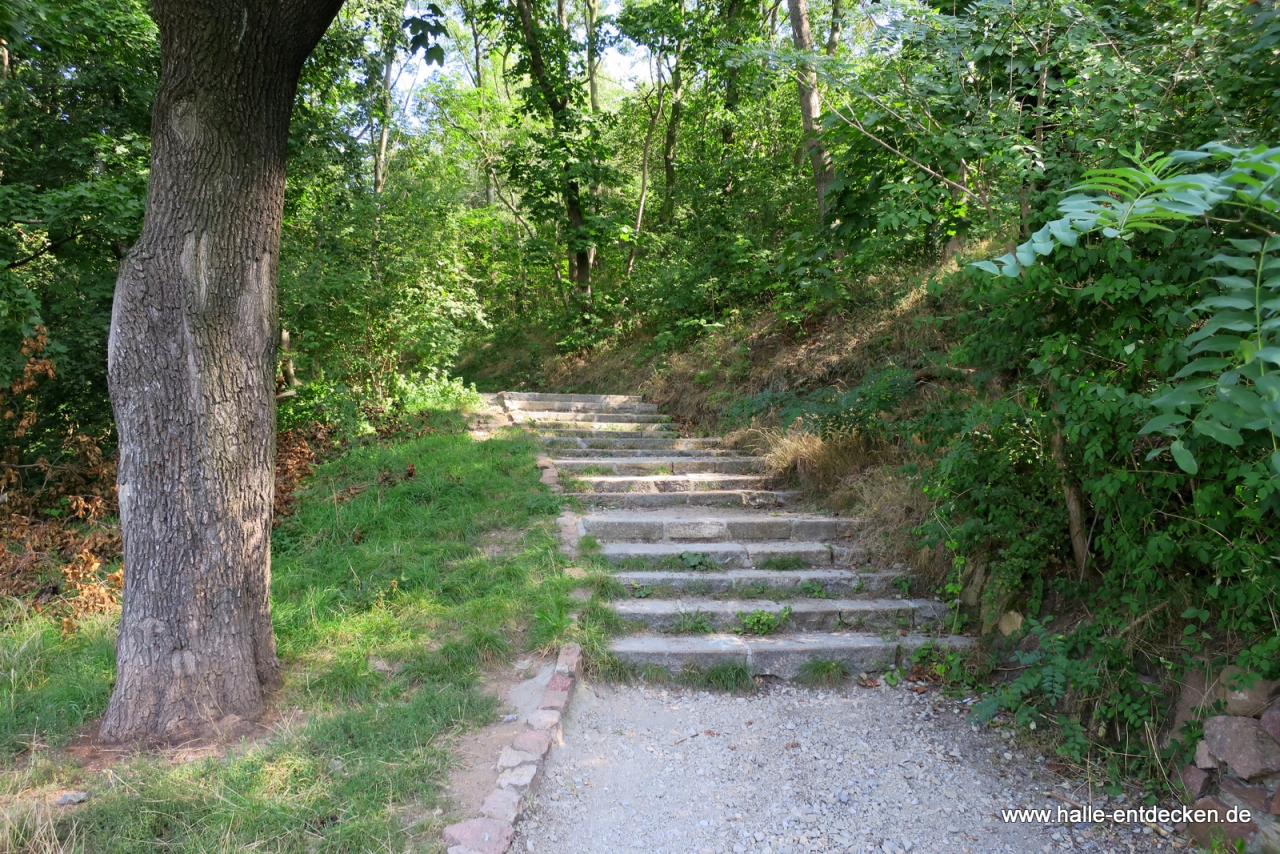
<point>768,228</point>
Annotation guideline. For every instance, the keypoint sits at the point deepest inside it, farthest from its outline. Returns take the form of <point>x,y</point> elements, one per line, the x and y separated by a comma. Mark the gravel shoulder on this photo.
<point>790,770</point>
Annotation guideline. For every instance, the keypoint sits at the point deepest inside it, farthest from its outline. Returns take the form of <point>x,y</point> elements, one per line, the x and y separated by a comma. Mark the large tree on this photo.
<point>191,368</point>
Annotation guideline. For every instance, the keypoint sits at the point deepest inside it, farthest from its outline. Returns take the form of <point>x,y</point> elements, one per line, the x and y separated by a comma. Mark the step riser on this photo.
<point>806,616</point>
<point>591,440</point>
<point>660,483</point>
<point>519,406</point>
<point>543,417</point>
<point>523,396</point>
<point>725,556</point>
<point>642,467</point>
<point>654,501</point>
<point>760,583</point>
<point>714,531</point>
<point>576,453</point>
<point>608,432</point>
<point>782,657</point>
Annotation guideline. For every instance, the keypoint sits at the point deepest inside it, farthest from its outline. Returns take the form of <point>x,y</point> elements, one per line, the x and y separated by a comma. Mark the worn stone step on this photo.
<point>812,615</point>
<point>540,416</point>
<point>708,498</point>
<point>614,432</point>
<point>709,526</point>
<point>524,396</point>
<point>778,655</point>
<point>634,440</point>
<point>664,483</point>
<point>518,407</point>
<point>576,453</point>
<point>695,556</point>
<point>654,465</point>
<point>758,583</point>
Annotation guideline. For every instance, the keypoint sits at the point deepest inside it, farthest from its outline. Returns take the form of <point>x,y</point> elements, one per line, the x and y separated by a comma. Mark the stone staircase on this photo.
<point>699,539</point>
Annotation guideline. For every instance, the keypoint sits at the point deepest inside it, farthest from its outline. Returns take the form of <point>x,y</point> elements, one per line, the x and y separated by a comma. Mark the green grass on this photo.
<point>692,623</point>
<point>784,563</point>
<point>763,622</point>
<point>455,570</point>
<point>818,673</point>
<point>729,676</point>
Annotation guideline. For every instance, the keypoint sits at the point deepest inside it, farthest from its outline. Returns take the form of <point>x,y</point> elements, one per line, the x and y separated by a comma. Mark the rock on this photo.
<point>1204,759</point>
<point>546,720</point>
<point>570,661</point>
<point>481,835</point>
<point>1195,781</point>
<point>510,758</point>
<point>1010,622</point>
<point>518,779</point>
<point>1193,702</point>
<point>1204,833</point>
<point>1254,797</point>
<point>557,701</point>
<point>72,798</point>
<point>1274,807</point>
<point>1244,745</point>
<point>560,682</point>
<point>503,804</point>
<point>1271,720</point>
<point>533,741</point>
<point>1250,701</point>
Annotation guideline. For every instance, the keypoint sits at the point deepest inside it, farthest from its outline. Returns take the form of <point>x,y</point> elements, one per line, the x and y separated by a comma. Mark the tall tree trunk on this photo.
<point>833,40</point>
<point>191,368</point>
<point>810,107</point>
<point>731,73</point>
<point>654,115</point>
<point>669,143</point>
<point>593,52</point>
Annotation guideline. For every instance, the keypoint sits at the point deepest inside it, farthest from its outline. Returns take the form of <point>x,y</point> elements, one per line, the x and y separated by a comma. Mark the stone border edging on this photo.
<point>520,765</point>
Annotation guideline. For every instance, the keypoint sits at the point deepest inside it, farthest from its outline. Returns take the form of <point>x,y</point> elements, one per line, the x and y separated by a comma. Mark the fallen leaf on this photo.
<point>791,745</point>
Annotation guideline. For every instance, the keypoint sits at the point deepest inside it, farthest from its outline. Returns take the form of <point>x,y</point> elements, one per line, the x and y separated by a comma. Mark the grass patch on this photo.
<point>456,568</point>
<point>695,623</point>
<point>817,673</point>
<point>730,676</point>
<point>784,563</point>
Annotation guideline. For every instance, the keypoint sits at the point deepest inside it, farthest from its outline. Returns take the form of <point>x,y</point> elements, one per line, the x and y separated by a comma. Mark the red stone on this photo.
<point>482,835</point>
<point>1271,720</point>
<point>1254,797</point>
<point>533,741</point>
<point>1275,803</point>
<point>1195,781</point>
<point>555,701</point>
<point>560,682</point>
<point>570,660</point>
<point>1204,833</point>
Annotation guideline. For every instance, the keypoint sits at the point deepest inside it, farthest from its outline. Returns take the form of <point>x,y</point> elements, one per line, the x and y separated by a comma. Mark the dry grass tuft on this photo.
<point>28,828</point>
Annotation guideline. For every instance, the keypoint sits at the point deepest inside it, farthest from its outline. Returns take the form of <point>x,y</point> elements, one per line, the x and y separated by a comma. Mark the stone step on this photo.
<point>805,615</point>
<point>581,430</point>
<point>777,655</point>
<point>633,440</point>
<point>524,396</point>
<point>576,453</point>
<point>661,465</point>
<point>540,416</point>
<point>708,498</point>
<point>756,583</point>
<point>664,483</point>
<point>759,555</point>
<point>710,526</point>
<point>517,407</point>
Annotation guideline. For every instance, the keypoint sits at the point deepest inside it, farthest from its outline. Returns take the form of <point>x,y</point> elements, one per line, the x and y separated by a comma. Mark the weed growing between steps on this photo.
<point>408,568</point>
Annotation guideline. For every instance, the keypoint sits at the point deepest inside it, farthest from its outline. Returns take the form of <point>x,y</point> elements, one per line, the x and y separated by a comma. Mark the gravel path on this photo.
<point>793,770</point>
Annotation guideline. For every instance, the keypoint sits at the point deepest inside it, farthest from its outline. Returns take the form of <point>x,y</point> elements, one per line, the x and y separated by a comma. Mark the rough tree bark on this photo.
<point>810,106</point>
<point>191,367</point>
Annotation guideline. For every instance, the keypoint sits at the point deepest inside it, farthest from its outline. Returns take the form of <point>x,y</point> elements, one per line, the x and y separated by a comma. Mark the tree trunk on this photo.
<point>593,52</point>
<point>654,114</point>
<point>810,107</point>
<point>672,137</point>
<point>833,40</point>
<point>191,367</point>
